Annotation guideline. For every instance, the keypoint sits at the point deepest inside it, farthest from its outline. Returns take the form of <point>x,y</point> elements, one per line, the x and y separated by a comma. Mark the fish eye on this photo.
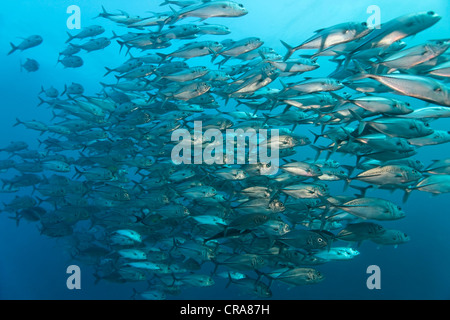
<point>431,13</point>
<point>240,5</point>
<point>364,24</point>
<point>319,239</point>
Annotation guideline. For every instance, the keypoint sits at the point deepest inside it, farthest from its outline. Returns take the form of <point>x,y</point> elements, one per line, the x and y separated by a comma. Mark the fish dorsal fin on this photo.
<point>124,13</point>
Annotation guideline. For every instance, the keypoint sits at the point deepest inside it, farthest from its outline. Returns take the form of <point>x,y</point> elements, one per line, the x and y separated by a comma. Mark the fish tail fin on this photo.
<point>161,25</point>
<point>41,101</point>
<point>135,293</point>
<point>349,168</point>
<point>222,62</point>
<point>115,36</point>
<point>316,136</point>
<point>230,280</point>
<point>406,194</point>
<point>323,216</point>
<point>17,122</point>
<point>78,173</point>
<point>363,190</point>
<point>103,14</point>
<point>17,218</point>
<point>173,18</point>
<point>340,99</point>
<point>346,60</point>
<point>363,74</point>
<point>362,123</point>
<point>108,71</point>
<point>71,37</point>
<point>347,183</point>
<point>13,48</point>
<point>65,90</point>
<point>319,151</point>
<point>162,55</point>
<point>139,219</point>
<point>39,200</point>
<point>131,56</point>
<point>290,50</point>
<point>267,118</point>
<point>121,44</point>
<point>284,85</point>
<point>214,56</point>
<point>260,275</point>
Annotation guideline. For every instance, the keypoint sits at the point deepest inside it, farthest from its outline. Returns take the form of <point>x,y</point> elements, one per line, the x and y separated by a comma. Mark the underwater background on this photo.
<point>33,266</point>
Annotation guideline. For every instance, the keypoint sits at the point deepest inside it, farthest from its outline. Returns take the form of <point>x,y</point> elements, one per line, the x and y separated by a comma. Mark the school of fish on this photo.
<point>104,180</point>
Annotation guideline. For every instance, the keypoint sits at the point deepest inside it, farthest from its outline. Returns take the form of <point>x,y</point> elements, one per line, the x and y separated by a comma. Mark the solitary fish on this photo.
<point>71,61</point>
<point>30,65</point>
<point>27,43</point>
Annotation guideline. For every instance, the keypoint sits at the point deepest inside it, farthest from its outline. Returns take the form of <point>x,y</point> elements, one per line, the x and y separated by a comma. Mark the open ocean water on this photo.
<point>33,265</point>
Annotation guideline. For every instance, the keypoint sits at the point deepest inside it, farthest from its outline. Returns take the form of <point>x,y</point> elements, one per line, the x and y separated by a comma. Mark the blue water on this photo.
<point>34,266</point>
